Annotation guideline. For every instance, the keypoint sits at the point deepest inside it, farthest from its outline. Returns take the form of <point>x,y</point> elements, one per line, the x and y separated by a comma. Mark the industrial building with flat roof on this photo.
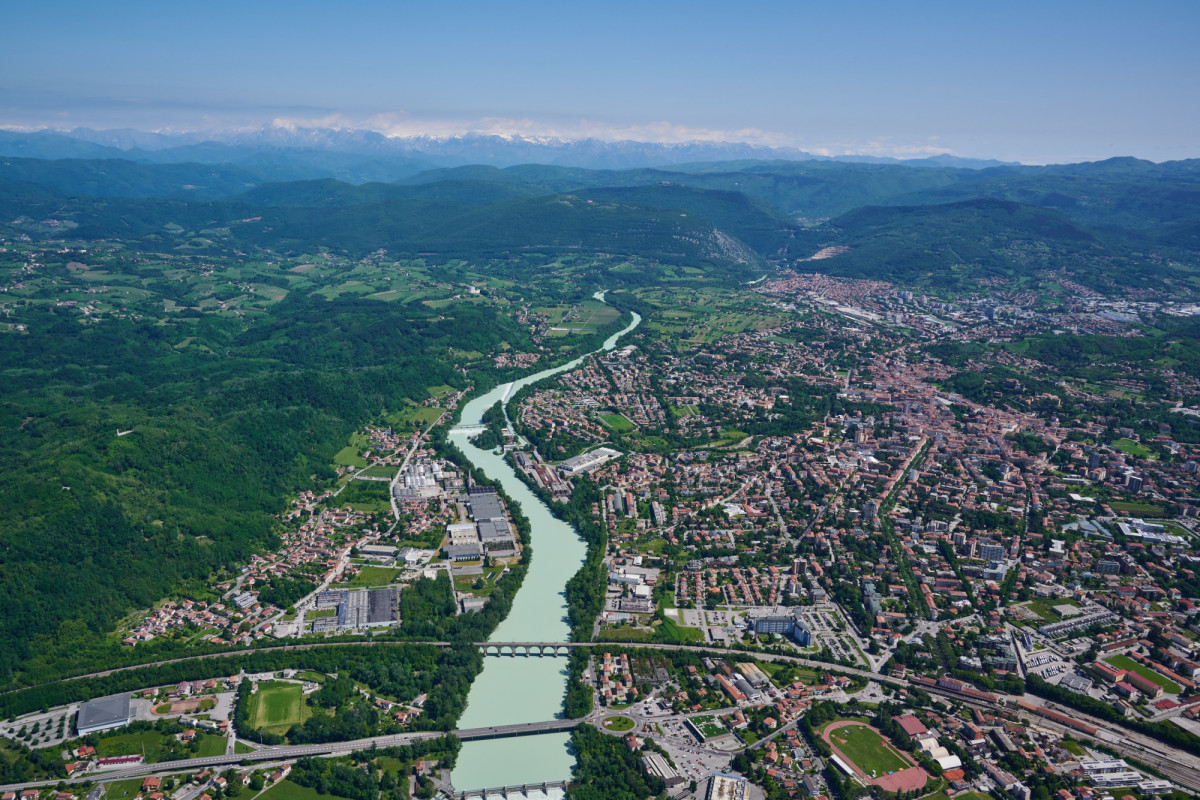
<point>657,765</point>
<point>465,552</point>
<point>726,787</point>
<point>369,609</point>
<point>103,714</point>
<point>586,462</point>
<point>358,609</point>
<point>486,506</point>
<point>378,552</point>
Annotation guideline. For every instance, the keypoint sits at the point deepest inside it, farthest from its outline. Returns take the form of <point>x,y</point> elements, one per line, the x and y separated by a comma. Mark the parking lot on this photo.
<point>718,626</point>
<point>692,761</point>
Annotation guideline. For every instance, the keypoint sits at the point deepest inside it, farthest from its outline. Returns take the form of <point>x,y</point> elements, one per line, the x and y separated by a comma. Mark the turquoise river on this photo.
<point>513,690</point>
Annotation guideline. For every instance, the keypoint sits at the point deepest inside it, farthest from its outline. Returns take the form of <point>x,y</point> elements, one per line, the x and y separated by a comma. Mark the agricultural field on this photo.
<point>588,317</point>
<point>277,706</point>
<point>374,576</point>
<point>349,456</point>
<point>698,317</point>
<point>1125,662</point>
<point>420,416</point>
<point>867,749</point>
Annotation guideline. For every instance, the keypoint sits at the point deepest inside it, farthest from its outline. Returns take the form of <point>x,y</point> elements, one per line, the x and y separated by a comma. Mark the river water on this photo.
<point>516,689</point>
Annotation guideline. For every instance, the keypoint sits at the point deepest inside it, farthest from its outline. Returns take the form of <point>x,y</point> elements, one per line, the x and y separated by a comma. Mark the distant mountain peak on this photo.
<point>495,149</point>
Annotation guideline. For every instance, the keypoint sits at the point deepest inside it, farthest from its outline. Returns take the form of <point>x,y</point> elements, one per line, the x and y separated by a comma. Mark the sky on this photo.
<point>1050,81</point>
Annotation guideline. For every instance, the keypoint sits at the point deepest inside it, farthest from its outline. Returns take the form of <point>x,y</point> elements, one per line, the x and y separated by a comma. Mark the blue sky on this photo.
<point>1032,81</point>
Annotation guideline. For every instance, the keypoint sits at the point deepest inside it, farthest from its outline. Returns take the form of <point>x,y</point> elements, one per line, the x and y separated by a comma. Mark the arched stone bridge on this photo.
<point>527,648</point>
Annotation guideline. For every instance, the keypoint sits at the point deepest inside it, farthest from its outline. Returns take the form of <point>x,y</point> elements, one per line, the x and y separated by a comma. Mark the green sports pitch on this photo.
<point>867,749</point>
<point>707,727</point>
<point>277,706</point>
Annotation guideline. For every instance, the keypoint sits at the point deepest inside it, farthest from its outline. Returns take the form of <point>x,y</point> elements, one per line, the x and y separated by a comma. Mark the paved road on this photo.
<point>1181,767</point>
<point>404,466</point>
<point>1177,764</point>
<point>291,752</point>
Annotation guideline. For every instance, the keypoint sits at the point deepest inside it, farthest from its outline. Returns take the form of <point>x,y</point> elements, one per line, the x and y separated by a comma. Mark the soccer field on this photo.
<point>618,422</point>
<point>278,706</point>
<point>867,749</point>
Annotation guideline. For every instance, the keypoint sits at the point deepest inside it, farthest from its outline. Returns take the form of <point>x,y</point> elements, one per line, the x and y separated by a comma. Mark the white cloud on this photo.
<point>405,126</point>
<point>402,125</point>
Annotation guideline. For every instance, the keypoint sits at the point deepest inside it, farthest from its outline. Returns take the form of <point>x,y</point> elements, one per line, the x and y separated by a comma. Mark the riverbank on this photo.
<point>519,690</point>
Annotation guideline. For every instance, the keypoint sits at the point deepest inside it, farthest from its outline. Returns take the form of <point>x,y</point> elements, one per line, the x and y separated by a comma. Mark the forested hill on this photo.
<point>950,244</point>
<point>223,429</point>
<point>570,224</point>
<point>1108,223</point>
<point>243,328</point>
<point>119,178</point>
<point>1124,192</point>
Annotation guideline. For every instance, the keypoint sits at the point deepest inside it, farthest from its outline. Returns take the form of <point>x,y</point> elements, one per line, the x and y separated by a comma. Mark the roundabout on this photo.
<point>617,724</point>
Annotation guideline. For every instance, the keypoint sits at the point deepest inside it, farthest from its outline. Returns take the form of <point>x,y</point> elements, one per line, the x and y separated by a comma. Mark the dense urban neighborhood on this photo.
<point>852,538</point>
<point>382,475</point>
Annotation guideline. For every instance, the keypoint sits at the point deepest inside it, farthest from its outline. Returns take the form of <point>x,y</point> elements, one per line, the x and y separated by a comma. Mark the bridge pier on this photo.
<point>527,649</point>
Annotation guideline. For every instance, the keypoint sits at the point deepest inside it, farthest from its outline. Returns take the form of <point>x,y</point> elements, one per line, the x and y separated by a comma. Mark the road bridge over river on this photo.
<point>292,752</point>
<point>1180,766</point>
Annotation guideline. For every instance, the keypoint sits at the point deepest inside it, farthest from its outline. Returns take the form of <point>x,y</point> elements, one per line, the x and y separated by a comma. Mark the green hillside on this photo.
<point>949,245</point>
<point>120,178</point>
<point>1122,192</point>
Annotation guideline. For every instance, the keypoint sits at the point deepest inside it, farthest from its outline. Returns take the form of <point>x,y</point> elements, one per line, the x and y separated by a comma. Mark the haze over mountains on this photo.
<point>362,155</point>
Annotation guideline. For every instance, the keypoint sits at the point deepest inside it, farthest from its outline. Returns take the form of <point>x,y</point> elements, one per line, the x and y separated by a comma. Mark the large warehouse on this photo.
<point>103,714</point>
